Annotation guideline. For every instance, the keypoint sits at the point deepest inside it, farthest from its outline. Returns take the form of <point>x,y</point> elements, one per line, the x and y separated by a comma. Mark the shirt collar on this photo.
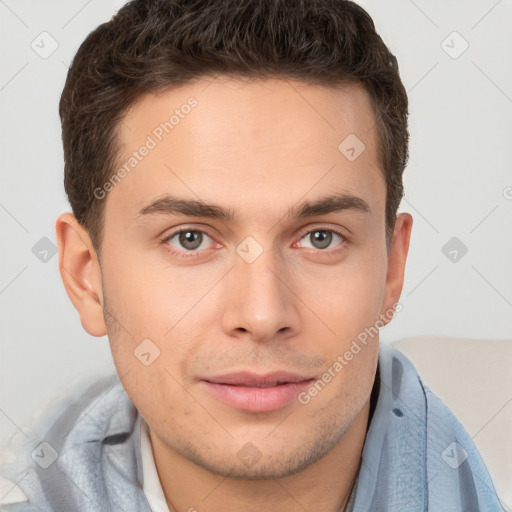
<point>393,466</point>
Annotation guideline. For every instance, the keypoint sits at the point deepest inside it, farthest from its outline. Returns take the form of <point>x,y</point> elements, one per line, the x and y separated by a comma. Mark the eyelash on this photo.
<point>194,254</point>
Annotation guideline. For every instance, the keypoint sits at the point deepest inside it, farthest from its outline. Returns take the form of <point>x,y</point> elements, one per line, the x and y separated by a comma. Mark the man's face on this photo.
<point>265,291</point>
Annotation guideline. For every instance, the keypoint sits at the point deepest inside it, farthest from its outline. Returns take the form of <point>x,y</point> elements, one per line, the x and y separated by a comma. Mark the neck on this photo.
<point>323,485</point>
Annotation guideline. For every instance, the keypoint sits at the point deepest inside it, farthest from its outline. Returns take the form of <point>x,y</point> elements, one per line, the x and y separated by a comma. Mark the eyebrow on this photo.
<point>169,205</point>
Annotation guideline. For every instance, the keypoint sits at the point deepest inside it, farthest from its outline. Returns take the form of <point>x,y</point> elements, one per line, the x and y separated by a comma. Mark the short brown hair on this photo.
<point>151,45</point>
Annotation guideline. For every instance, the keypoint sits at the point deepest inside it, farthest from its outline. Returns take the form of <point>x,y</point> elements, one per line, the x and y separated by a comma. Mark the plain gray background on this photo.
<point>458,183</point>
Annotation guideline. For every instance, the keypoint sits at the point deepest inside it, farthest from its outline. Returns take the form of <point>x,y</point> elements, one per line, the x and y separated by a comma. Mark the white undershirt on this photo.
<point>151,486</point>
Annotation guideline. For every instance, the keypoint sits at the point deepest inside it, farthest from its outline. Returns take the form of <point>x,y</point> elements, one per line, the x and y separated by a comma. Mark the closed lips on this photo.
<point>258,381</point>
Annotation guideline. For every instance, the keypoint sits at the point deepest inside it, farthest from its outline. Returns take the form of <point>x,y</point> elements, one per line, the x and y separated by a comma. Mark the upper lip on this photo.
<point>254,380</point>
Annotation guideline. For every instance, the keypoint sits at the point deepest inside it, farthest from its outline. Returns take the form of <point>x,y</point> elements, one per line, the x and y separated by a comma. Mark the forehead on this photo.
<point>254,111</point>
<point>277,139</point>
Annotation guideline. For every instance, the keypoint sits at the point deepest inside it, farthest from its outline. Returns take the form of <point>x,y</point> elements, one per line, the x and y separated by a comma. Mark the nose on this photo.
<point>260,303</point>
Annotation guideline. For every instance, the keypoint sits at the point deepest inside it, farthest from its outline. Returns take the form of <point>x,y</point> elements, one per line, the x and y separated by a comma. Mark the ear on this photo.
<point>396,263</point>
<point>81,273</point>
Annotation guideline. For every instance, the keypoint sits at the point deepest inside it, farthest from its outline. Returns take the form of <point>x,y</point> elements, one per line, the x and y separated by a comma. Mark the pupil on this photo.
<point>322,239</point>
<point>190,239</point>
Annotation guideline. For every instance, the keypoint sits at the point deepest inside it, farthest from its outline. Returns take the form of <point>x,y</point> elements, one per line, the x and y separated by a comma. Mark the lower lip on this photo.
<point>257,399</point>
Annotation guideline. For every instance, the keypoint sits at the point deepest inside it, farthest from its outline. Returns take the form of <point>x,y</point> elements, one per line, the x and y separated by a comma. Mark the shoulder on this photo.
<point>455,473</point>
<point>53,441</point>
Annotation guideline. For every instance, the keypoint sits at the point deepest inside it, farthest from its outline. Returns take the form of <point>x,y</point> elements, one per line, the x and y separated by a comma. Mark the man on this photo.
<point>234,170</point>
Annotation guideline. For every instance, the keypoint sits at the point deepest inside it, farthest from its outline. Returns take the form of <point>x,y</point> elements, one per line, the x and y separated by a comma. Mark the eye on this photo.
<point>322,238</point>
<point>188,240</point>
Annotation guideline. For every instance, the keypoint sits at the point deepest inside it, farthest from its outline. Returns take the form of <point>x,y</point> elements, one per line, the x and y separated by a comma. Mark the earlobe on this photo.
<point>81,273</point>
<point>396,262</point>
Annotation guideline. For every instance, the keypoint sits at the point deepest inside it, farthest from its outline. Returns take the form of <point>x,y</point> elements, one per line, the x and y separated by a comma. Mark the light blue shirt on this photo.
<point>84,455</point>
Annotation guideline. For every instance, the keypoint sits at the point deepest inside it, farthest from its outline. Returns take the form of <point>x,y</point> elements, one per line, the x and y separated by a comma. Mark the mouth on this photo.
<point>257,393</point>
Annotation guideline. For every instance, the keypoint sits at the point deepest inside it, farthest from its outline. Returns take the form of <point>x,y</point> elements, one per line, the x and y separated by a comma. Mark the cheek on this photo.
<point>347,298</point>
<point>149,296</point>
<point>349,304</point>
<point>154,330</point>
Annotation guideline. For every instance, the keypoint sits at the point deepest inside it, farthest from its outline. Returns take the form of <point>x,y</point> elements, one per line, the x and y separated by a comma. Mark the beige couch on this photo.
<point>474,379</point>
